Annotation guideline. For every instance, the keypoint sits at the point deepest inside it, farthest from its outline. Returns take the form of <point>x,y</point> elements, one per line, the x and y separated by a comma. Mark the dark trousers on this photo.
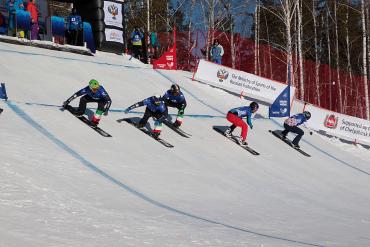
<point>74,38</point>
<point>87,99</point>
<point>136,50</point>
<point>295,130</point>
<point>148,113</point>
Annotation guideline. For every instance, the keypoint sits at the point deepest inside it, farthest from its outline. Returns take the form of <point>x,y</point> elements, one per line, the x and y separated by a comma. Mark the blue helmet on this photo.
<point>156,99</point>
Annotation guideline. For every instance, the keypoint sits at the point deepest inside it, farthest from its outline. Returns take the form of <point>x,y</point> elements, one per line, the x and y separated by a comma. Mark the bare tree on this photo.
<point>299,47</point>
<point>286,15</point>
<point>317,61</point>
<point>364,56</point>
<point>329,83</point>
<point>339,85</point>
<point>256,38</point>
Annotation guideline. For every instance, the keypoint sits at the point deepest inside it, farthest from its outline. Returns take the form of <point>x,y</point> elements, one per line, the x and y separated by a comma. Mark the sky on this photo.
<point>62,184</point>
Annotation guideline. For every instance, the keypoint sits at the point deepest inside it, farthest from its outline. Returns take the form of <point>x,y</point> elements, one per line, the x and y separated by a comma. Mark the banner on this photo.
<point>239,81</point>
<point>168,60</point>
<point>347,127</point>
<point>281,106</point>
<point>114,35</point>
<point>113,14</point>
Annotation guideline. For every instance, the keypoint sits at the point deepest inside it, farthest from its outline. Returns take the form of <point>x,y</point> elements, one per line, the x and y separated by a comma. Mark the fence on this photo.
<point>272,65</point>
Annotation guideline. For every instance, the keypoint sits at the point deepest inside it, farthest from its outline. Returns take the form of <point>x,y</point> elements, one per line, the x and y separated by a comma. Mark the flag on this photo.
<point>281,105</point>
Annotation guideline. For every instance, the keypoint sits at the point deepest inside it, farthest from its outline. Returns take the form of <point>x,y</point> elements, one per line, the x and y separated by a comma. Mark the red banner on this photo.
<point>168,60</point>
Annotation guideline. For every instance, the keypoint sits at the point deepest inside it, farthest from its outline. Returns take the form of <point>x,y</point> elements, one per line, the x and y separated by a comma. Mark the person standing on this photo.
<point>94,92</point>
<point>217,51</point>
<point>12,6</point>
<point>74,27</point>
<point>136,41</point>
<point>31,7</point>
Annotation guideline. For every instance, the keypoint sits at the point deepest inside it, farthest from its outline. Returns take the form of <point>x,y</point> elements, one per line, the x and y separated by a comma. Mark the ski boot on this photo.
<point>227,132</point>
<point>241,142</point>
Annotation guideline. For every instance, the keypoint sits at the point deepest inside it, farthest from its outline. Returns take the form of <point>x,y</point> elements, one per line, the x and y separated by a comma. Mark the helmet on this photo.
<point>94,84</point>
<point>156,99</point>
<point>254,106</point>
<point>307,114</point>
<point>175,89</point>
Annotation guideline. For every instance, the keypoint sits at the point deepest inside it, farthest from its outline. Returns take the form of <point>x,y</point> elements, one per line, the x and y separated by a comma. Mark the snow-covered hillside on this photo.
<point>62,184</point>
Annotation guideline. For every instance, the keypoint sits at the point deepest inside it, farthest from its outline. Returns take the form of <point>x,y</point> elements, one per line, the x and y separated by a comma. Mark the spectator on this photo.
<point>136,37</point>
<point>12,6</point>
<point>155,44</point>
<point>2,24</point>
<point>217,51</point>
<point>31,7</point>
<point>74,27</point>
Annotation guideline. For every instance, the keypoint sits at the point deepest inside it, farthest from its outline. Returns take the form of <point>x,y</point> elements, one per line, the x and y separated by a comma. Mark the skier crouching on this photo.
<point>94,92</point>
<point>175,98</point>
<point>236,115</point>
<point>155,108</point>
<point>291,125</point>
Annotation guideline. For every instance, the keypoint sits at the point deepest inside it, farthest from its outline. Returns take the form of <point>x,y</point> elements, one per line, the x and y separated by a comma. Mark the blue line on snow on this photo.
<point>119,111</point>
<point>94,168</point>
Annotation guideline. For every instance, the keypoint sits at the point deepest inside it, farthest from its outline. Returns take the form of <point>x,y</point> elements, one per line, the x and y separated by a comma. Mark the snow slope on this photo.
<point>61,184</point>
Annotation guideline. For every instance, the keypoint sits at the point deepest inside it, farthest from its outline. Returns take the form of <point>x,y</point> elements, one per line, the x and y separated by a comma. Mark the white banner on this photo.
<point>347,127</point>
<point>114,35</point>
<point>239,81</point>
<point>113,14</point>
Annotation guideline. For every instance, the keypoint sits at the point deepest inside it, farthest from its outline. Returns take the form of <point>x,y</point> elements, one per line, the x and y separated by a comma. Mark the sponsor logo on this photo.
<point>222,75</point>
<point>331,121</point>
<point>283,110</point>
<point>113,10</point>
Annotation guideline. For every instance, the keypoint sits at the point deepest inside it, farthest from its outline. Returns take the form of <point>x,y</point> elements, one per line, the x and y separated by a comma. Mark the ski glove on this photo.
<point>65,103</point>
<point>133,107</point>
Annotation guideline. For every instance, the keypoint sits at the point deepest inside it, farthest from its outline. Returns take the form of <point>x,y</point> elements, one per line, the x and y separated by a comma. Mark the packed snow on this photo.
<point>62,184</point>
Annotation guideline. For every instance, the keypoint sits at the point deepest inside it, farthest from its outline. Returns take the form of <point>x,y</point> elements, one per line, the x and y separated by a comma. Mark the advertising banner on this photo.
<point>114,35</point>
<point>113,14</point>
<point>347,127</point>
<point>239,81</point>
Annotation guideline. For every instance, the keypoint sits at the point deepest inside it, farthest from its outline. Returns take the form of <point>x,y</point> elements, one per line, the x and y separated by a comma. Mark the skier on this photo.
<point>155,108</point>
<point>291,125</point>
<point>175,98</point>
<point>236,115</point>
<point>94,92</point>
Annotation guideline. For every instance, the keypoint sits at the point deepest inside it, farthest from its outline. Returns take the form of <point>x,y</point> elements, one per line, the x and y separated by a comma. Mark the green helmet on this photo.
<point>94,84</point>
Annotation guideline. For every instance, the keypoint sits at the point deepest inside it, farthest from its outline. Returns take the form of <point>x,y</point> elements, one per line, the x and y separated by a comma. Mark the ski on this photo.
<point>158,139</point>
<point>252,151</point>
<point>176,129</point>
<point>277,133</point>
<point>88,122</point>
